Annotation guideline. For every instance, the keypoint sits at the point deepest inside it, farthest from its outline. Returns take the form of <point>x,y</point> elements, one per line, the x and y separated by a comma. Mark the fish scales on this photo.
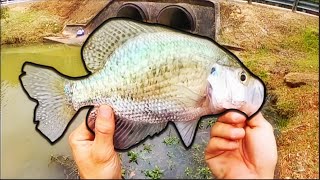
<point>171,65</point>
<point>141,83</point>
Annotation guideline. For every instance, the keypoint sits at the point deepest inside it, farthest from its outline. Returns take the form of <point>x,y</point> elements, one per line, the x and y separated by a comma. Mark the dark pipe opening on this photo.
<point>176,17</point>
<point>132,12</point>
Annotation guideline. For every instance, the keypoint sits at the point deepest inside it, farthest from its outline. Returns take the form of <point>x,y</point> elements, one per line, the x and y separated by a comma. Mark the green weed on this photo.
<point>123,172</point>
<point>171,140</point>
<point>201,124</point>
<point>204,173</point>
<point>211,122</point>
<point>188,171</point>
<point>170,155</point>
<point>155,173</point>
<point>147,147</point>
<point>133,157</point>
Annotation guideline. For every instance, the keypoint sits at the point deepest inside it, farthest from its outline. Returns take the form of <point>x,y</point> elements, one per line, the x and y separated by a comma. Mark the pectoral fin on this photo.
<point>188,97</point>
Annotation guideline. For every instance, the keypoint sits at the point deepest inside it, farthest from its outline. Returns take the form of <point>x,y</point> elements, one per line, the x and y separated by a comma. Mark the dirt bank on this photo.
<point>31,21</point>
<point>278,42</point>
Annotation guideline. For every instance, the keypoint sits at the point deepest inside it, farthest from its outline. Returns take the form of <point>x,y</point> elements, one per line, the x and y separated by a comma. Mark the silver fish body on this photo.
<point>149,75</point>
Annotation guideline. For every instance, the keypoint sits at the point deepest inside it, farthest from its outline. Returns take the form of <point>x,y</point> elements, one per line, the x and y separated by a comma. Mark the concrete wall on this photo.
<point>195,16</point>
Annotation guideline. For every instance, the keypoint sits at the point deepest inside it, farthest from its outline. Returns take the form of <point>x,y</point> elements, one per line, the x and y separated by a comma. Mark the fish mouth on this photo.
<point>255,99</point>
<point>233,104</point>
<point>249,104</point>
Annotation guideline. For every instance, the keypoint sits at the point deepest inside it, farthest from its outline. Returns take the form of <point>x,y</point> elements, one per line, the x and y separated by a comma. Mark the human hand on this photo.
<point>242,149</point>
<point>95,155</point>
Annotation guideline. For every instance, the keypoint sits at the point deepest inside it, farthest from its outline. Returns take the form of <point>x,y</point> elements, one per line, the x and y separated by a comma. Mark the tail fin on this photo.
<point>53,112</point>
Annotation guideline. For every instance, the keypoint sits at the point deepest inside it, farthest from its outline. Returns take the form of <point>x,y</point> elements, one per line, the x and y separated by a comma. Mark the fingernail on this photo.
<point>105,112</point>
<point>238,116</point>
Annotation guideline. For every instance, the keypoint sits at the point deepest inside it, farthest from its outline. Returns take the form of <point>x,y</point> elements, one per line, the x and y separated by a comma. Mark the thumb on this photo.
<point>104,129</point>
<point>258,121</point>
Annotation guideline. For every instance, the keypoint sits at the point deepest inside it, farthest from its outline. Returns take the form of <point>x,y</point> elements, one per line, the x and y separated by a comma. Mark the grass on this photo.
<point>276,45</point>
<point>4,12</point>
<point>27,26</point>
<point>292,105</point>
<point>298,54</point>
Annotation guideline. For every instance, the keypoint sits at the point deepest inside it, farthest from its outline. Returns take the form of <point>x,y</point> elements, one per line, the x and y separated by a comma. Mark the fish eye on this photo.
<point>213,70</point>
<point>243,77</point>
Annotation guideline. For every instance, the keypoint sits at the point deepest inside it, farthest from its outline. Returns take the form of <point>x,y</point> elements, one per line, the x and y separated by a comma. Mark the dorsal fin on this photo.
<point>108,37</point>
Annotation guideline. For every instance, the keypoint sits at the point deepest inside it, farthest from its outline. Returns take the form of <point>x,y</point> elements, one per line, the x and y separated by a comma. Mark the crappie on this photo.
<point>150,75</point>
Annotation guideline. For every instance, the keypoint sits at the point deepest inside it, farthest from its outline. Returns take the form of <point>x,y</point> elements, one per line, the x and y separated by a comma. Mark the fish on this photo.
<point>150,74</point>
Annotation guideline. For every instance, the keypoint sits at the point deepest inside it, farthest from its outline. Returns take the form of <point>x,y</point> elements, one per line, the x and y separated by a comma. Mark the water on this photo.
<point>26,154</point>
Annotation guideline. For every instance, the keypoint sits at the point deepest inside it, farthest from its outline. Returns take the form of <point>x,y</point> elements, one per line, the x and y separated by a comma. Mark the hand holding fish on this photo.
<point>240,148</point>
<point>95,155</point>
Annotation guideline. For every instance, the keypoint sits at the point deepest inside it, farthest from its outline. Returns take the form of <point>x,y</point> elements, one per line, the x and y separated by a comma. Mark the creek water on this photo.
<point>27,154</point>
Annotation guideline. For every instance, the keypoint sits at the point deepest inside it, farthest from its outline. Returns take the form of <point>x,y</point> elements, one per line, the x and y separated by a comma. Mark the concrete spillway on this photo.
<point>195,16</point>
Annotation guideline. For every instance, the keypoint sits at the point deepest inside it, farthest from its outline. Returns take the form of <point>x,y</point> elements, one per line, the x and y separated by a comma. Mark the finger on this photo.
<point>104,128</point>
<point>227,131</point>
<point>232,117</point>
<point>217,144</point>
<point>258,121</point>
<point>92,118</point>
<point>81,133</point>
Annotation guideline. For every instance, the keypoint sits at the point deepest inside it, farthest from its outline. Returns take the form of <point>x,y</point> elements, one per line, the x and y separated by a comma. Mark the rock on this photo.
<point>280,70</point>
<point>298,79</point>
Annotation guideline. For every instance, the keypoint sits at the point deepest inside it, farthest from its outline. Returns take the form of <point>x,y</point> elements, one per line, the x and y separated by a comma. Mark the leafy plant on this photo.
<point>154,173</point>
<point>201,124</point>
<point>133,157</point>
<point>188,171</point>
<point>171,140</point>
<point>211,122</point>
<point>123,172</point>
<point>147,147</point>
<point>204,173</point>
<point>170,155</point>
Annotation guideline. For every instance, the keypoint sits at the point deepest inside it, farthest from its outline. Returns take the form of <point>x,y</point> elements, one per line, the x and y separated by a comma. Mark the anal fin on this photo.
<point>129,133</point>
<point>187,130</point>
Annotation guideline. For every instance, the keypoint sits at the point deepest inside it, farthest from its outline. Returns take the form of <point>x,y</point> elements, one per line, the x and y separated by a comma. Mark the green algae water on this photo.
<point>66,59</point>
<point>26,154</point>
